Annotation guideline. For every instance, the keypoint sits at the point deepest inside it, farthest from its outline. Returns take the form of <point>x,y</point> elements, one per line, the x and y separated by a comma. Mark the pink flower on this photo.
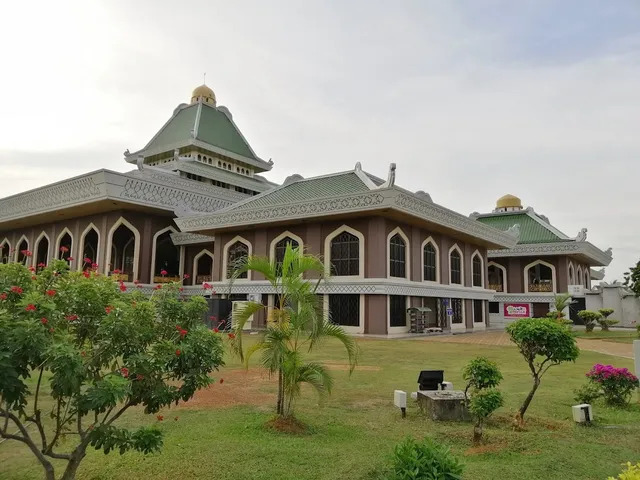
<point>163,272</point>
<point>32,269</point>
<point>116,271</point>
<point>139,377</point>
<point>70,259</point>
<point>94,266</point>
<point>87,260</point>
<point>42,265</point>
<point>64,249</point>
<point>26,253</point>
<point>186,276</point>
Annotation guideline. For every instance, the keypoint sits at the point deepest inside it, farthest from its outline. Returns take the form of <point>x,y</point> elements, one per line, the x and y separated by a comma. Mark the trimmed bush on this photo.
<point>589,318</point>
<point>427,460</point>
<point>483,403</point>
<point>605,322</point>
<point>481,373</point>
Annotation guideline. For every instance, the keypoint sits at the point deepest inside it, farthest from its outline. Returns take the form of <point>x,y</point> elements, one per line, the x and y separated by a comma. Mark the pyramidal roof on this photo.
<point>206,126</point>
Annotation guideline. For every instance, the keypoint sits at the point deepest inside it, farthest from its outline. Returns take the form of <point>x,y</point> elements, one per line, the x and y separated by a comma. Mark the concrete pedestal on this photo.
<point>446,405</point>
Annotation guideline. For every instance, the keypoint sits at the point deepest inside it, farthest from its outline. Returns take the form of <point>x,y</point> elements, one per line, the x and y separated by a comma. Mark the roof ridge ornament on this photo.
<point>140,162</point>
<point>391,177</point>
<point>582,235</point>
<point>514,230</point>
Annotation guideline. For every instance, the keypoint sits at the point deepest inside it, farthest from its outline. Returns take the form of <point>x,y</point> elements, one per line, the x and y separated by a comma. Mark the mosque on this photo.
<point>196,201</point>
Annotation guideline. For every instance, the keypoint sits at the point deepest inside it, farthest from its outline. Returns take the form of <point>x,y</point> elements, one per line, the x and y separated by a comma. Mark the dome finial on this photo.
<point>203,94</point>
<point>508,203</point>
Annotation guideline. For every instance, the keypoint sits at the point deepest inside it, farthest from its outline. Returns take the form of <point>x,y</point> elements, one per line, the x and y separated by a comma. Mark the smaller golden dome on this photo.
<point>203,93</point>
<point>509,201</point>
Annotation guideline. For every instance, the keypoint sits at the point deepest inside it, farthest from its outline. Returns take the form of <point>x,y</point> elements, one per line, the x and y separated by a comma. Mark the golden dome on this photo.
<point>203,93</point>
<point>509,201</point>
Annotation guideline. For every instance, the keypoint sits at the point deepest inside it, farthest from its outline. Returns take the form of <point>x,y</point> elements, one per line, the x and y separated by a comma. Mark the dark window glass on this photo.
<point>476,264</point>
<point>237,252</point>
<point>280,248</point>
<point>345,310</point>
<point>541,278</point>
<point>430,262</point>
<point>494,307</point>
<point>456,306</point>
<point>477,311</point>
<point>397,258</point>
<point>456,267</point>
<point>496,278</point>
<point>397,311</point>
<point>345,255</point>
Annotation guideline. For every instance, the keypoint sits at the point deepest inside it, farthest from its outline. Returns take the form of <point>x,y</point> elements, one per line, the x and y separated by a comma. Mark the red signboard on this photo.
<point>520,310</point>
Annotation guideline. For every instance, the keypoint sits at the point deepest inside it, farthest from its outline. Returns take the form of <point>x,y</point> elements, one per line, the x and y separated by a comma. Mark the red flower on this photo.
<point>34,277</point>
<point>44,321</point>
<point>42,265</point>
<point>159,417</point>
<point>51,293</point>
<point>123,287</point>
<point>86,274</point>
<point>222,380</point>
<point>94,266</point>
<point>136,282</point>
<point>124,371</point>
<point>232,335</point>
<point>181,289</point>
<point>30,308</point>
<point>178,352</point>
<point>213,318</point>
<point>206,286</point>
<point>32,268</point>
<point>3,296</point>
<point>157,287</point>
<point>186,276</point>
<point>116,271</point>
<point>163,272</point>
<point>87,260</point>
<point>216,330</point>
<point>71,317</point>
<point>70,259</point>
<point>108,309</point>
<point>26,253</point>
<point>17,290</point>
<point>64,249</point>
<point>139,377</point>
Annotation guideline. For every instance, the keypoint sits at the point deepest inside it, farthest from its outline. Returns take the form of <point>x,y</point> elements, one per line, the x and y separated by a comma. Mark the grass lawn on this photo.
<point>222,435</point>
<point>616,336</point>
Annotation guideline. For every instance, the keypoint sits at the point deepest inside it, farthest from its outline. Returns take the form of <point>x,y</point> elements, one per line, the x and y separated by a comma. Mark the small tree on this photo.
<point>561,302</point>
<point>483,404</point>
<point>632,279</point>
<point>589,318</point>
<point>604,321</point>
<point>481,373</point>
<point>543,343</point>
<point>96,352</point>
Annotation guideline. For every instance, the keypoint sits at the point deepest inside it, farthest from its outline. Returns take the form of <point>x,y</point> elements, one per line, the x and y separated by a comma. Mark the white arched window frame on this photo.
<point>433,243</point>
<point>361,250</point>
<point>572,274</point>
<point>482,281</point>
<point>505,289</point>
<point>83,235</point>
<point>16,254</point>
<point>7,243</point>
<point>56,252</point>
<point>198,256</point>
<point>153,250</point>
<point>541,262</point>
<point>136,247</point>
<point>225,255</point>
<point>459,250</point>
<point>36,246</point>
<point>579,277</point>
<point>587,278</point>
<point>407,256</point>
<point>283,235</point>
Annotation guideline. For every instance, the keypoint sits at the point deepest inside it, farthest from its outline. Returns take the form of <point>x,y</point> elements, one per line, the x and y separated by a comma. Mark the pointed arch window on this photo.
<point>430,256</point>
<point>167,259</point>
<point>89,241</point>
<point>42,251</point>
<point>23,247</point>
<point>236,254</point>
<point>572,277</point>
<point>397,256</point>
<point>5,252</point>
<point>497,277</point>
<point>280,248</point>
<point>455,266</point>
<point>123,252</point>
<point>540,277</point>
<point>345,254</point>
<point>476,270</point>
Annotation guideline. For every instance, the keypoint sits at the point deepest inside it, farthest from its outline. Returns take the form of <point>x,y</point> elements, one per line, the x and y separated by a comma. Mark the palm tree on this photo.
<point>561,301</point>
<point>295,323</point>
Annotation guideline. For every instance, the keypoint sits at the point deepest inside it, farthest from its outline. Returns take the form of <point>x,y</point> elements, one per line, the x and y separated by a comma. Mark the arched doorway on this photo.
<point>540,277</point>
<point>89,248</point>
<point>123,247</point>
<point>167,259</point>
<point>5,252</point>
<point>42,251</point>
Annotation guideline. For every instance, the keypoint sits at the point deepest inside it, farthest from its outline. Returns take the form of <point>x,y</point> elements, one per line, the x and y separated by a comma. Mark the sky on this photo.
<point>470,99</point>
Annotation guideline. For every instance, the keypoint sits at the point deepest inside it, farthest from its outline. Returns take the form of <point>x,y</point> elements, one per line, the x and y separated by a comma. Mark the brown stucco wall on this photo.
<point>375,314</point>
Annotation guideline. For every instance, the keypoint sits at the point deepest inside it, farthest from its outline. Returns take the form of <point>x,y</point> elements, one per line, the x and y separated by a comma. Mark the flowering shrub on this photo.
<point>101,351</point>
<point>631,472</point>
<point>617,384</point>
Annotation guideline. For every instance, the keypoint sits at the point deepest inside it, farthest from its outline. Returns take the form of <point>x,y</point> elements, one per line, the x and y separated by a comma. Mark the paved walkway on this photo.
<point>501,339</point>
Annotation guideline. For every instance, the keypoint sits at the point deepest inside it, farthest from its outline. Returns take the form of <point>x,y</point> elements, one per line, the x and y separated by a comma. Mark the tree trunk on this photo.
<point>279,405</point>
<point>76,457</point>
<point>477,432</point>
<point>527,401</point>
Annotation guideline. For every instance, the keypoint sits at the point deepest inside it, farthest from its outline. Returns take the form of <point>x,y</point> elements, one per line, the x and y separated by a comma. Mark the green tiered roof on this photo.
<point>532,230</point>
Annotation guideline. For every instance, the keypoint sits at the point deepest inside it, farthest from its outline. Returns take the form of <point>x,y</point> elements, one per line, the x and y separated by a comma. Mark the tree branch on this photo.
<point>25,438</point>
<point>118,413</point>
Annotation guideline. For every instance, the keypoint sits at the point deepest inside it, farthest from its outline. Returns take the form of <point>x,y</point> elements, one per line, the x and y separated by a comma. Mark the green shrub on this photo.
<point>605,322</point>
<point>589,318</point>
<point>631,472</point>
<point>481,373</point>
<point>587,393</point>
<point>483,403</point>
<point>427,460</point>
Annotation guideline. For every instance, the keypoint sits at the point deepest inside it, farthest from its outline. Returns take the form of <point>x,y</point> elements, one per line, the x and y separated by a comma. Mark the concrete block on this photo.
<point>582,413</point>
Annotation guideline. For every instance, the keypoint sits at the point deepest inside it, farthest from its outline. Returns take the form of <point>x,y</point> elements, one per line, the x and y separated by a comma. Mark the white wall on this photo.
<point>626,307</point>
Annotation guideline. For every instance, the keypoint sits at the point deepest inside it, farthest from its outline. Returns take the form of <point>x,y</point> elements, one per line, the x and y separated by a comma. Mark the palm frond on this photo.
<point>351,346</point>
